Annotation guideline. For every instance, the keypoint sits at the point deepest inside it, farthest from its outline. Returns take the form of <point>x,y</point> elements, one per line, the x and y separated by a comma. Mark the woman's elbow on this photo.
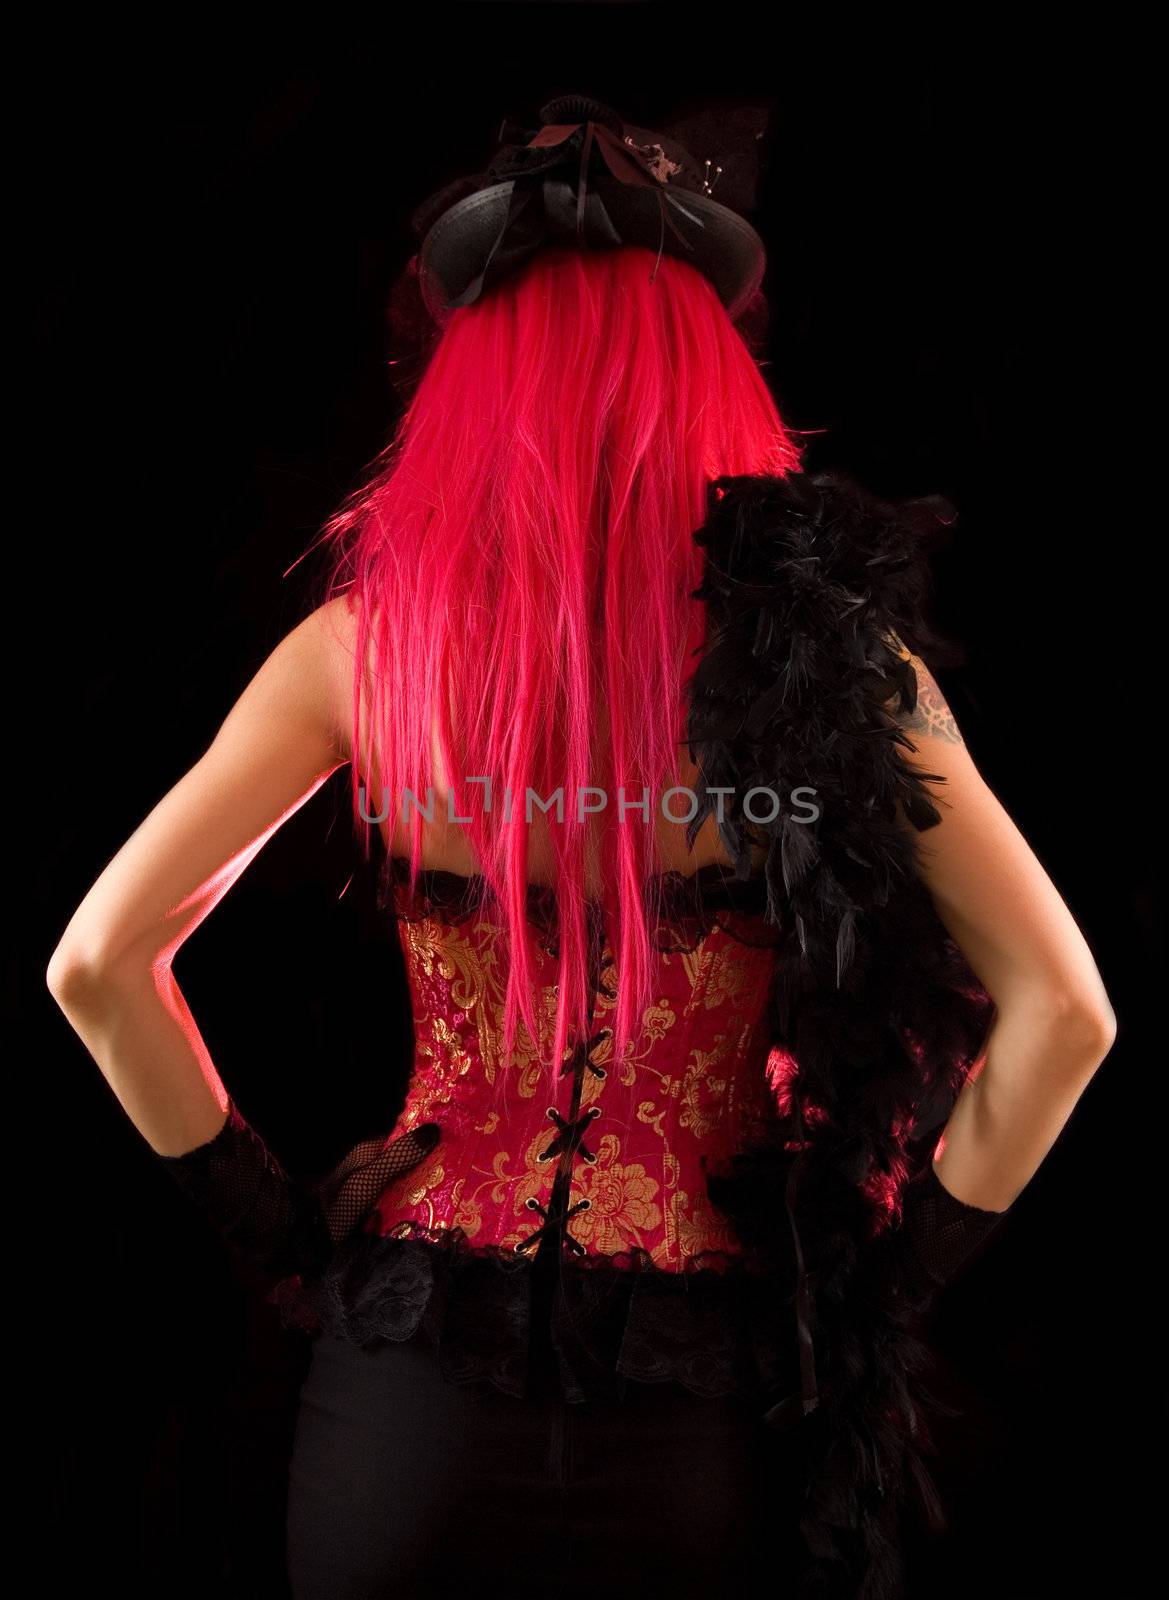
<point>1085,1025</point>
<point>72,980</point>
<point>82,980</point>
<point>64,973</point>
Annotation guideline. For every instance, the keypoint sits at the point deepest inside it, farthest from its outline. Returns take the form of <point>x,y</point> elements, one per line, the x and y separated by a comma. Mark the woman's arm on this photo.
<point>111,972</point>
<point>1054,1024</point>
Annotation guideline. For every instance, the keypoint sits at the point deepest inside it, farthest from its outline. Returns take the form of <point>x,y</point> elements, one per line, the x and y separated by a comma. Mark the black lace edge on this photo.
<point>715,1330</point>
<point>633,1261</point>
<point>683,908</point>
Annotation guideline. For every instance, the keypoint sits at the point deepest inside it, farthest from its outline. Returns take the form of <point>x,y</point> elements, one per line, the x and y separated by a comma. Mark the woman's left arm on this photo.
<point>111,972</point>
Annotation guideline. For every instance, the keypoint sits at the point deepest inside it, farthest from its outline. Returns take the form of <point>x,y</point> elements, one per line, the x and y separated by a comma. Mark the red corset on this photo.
<point>578,1210</point>
<point>612,1158</point>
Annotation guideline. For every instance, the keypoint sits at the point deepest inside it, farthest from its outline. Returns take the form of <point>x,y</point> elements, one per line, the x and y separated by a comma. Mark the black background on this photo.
<point>212,229</point>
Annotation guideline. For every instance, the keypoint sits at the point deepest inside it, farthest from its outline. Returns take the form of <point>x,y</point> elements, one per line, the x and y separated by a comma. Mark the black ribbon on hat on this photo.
<point>572,208</point>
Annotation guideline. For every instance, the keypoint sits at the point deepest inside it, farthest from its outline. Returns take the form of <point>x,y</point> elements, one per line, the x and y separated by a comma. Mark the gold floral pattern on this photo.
<point>690,1089</point>
<point>723,979</point>
<point>623,1203</point>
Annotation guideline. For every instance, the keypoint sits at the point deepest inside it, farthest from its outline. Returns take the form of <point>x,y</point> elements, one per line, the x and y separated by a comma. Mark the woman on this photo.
<point>658,1189</point>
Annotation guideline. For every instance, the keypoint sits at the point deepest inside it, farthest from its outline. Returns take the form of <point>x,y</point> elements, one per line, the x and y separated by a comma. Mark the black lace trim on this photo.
<point>682,907</point>
<point>722,1325</point>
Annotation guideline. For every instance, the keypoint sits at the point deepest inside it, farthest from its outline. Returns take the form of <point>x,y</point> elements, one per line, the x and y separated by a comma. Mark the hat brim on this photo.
<point>723,246</point>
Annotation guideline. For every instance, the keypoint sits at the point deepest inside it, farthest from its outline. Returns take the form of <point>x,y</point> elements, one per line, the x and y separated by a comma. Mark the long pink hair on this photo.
<point>521,558</point>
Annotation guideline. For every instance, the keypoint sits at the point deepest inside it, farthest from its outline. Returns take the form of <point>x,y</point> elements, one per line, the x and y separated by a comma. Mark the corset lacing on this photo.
<point>568,1142</point>
<point>544,1313</point>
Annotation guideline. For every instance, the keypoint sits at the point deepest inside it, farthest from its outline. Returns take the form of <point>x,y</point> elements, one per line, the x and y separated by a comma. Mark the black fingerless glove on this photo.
<point>284,1227</point>
<point>937,1233</point>
<point>252,1201</point>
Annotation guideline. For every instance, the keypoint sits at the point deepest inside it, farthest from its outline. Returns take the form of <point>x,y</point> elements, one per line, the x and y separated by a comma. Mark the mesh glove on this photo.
<point>284,1227</point>
<point>938,1232</point>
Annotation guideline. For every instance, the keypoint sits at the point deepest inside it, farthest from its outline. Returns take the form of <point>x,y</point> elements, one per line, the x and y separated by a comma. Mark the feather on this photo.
<point>845,943</point>
<point>797,851</point>
<point>806,580</point>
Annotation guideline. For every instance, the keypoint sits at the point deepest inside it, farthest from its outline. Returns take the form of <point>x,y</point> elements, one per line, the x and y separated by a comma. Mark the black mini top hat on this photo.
<point>585,177</point>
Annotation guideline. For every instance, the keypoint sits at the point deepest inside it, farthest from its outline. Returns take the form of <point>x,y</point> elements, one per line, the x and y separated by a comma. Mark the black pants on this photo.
<point>402,1484</point>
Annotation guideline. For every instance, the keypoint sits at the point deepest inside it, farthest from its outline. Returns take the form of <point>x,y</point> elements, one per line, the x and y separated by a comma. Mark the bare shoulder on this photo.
<point>331,635</point>
<point>335,623</point>
<point>932,715</point>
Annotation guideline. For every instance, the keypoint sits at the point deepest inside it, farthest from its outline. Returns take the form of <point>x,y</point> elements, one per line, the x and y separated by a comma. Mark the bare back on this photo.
<point>445,845</point>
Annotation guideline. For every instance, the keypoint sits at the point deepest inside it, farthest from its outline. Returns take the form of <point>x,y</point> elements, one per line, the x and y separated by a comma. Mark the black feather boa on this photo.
<point>799,685</point>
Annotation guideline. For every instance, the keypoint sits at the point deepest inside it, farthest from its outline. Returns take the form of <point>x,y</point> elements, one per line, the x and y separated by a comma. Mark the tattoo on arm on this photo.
<point>932,715</point>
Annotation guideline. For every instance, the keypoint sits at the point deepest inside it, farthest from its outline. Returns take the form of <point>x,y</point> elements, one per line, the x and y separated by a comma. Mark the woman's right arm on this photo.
<point>1054,1024</point>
